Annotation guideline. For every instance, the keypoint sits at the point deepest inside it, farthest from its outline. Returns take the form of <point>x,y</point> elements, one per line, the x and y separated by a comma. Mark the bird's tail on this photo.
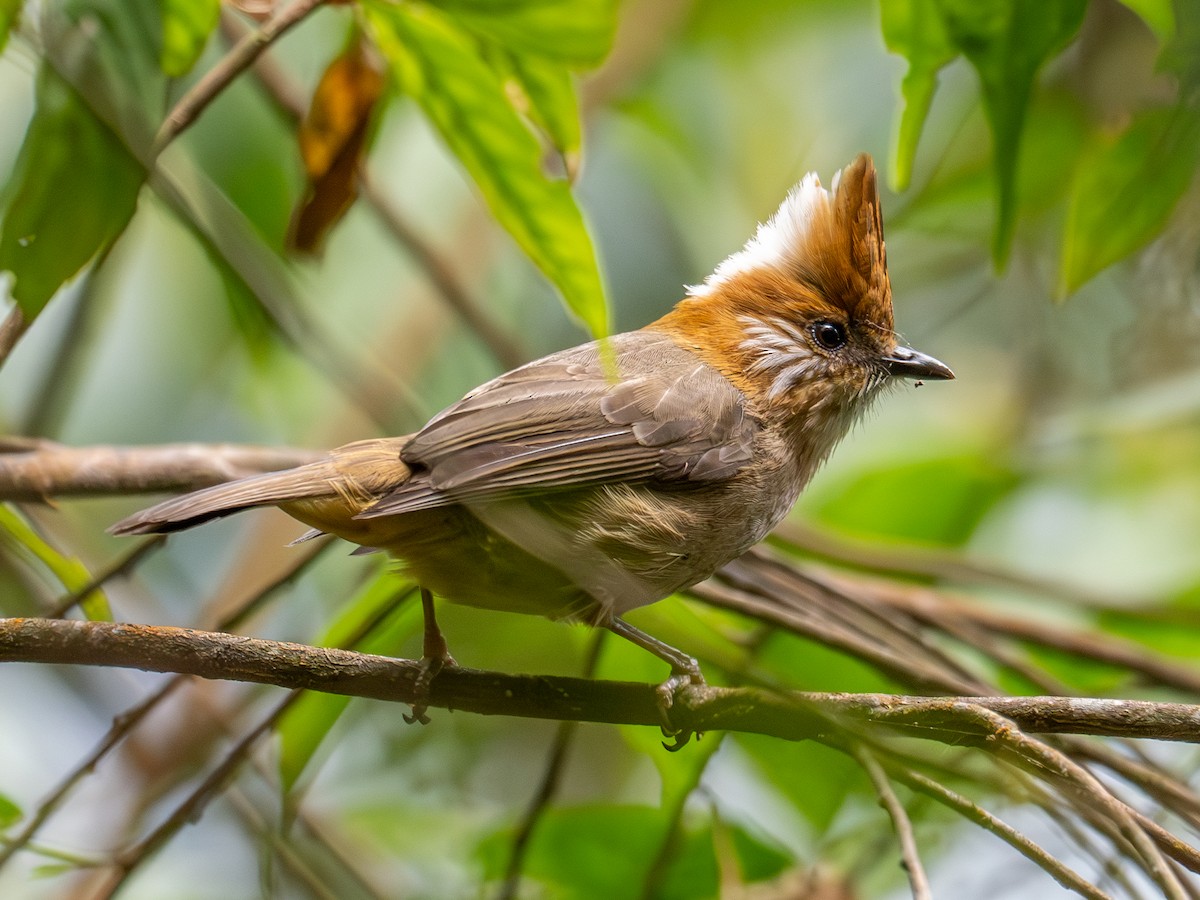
<point>348,479</point>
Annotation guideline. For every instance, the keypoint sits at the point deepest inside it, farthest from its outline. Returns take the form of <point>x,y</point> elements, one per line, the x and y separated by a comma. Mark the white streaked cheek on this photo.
<point>780,348</point>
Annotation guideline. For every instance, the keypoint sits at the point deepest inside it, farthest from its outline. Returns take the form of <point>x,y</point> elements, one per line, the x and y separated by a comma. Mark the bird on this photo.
<point>608,476</point>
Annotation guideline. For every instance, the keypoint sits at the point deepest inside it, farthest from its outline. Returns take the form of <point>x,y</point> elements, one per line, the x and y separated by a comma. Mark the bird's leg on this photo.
<point>435,656</point>
<point>684,671</point>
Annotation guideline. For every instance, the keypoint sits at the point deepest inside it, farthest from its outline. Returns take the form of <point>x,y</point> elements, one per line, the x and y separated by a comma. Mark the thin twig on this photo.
<point>11,329</point>
<point>547,788</point>
<point>190,809</point>
<point>128,720</point>
<point>232,64</point>
<point>1091,791</point>
<point>122,566</point>
<point>129,860</point>
<point>1059,871</point>
<point>934,607</point>
<point>925,562</point>
<point>917,880</point>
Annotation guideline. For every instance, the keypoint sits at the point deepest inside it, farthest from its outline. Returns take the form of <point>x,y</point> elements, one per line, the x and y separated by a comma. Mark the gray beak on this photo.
<point>908,363</point>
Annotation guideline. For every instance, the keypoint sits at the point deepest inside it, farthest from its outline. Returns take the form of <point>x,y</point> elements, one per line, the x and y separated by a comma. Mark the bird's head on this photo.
<point>801,318</point>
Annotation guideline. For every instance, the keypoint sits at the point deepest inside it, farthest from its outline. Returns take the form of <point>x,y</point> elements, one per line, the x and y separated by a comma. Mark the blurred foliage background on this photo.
<point>1043,226</point>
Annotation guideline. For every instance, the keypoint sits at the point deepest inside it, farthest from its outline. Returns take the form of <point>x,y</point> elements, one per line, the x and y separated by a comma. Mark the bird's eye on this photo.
<point>829,335</point>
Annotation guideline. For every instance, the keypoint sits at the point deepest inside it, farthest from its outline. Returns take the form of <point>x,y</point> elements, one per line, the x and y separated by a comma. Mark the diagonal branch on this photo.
<point>232,64</point>
<point>917,879</point>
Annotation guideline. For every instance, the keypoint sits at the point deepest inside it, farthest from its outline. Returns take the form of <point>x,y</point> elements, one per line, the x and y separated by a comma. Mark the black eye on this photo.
<point>829,335</point>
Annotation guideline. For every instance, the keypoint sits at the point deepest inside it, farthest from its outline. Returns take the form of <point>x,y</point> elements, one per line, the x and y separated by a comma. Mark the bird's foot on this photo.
<point>678,738</point>
<point>435,656</point>
<point>431,666</point>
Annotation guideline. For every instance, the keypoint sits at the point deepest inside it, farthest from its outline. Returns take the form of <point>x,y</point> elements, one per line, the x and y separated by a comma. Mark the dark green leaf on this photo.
<point>1125,191</point>
<point>67,153</point>
<point>187,25</point>
<point>438,65</point>
<point>1008,41</point>
<point>10,813</point>
<point>110,52</point>
<point>915,30</point>
<point>576,32</point>
<point>598,852</point>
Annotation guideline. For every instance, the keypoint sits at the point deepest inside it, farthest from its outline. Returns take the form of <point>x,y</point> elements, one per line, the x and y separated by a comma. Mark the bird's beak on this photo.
<point>908,363</point>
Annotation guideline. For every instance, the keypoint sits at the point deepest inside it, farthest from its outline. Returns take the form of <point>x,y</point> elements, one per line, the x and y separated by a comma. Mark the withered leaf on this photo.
<point>332,139</point>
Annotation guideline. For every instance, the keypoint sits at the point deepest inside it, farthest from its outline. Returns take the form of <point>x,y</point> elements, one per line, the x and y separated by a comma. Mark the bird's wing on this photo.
<point>565,421</point>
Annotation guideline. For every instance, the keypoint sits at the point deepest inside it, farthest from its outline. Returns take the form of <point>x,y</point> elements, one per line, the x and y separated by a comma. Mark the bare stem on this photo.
<point>232,64</point>
<point>917,880</point>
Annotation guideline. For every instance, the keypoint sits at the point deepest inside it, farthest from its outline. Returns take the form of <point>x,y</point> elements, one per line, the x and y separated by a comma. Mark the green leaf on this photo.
<point>72,574</point>
<point>1181,54</point>
<point>605,851</point>
<point>1158,15</point>
<point>10,813</point>
<point>110,52</point>
<point>915,30</point>
<point>576,32</point>
<point>553,104</point>
<point>67,153</point>
<point>1007,42</point>
<point>309,720</point>
<point>9,11</point>
<point>818,799</point>
<point>186,25</point>
<point>1125,190</point>
<point>437,64</point>
<point>952,494</point>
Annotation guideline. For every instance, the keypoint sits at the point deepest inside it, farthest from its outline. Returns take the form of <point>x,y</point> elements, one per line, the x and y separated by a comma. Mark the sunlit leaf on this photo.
<point>309,720</point>
<point>9,11</point>
<point>187,25</point>
<point>71,573</point>
<point>915,30</point>
<point>67,152</point>
<point>1125,191</point>
<point>332,138</point>
<point>578,32</point>
<point>1007,42</point>
<point>437,64</point>
<point>552,105</point>
<point>10,813</point>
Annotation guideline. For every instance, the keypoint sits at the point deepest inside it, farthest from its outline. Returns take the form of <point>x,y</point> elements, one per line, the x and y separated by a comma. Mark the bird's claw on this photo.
<point>430,667</point>
<point>678,737</point>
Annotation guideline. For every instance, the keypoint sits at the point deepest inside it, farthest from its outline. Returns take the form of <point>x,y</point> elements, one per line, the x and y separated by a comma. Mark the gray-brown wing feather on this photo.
<point>564,422</point>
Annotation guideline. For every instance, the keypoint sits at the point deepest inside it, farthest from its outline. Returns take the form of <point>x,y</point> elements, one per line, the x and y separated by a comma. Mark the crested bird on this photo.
<point>597,480</point>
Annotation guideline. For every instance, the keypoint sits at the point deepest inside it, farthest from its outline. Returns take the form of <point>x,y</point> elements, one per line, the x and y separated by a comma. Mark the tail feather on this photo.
<point>201,506</point>
<point>353,476</point>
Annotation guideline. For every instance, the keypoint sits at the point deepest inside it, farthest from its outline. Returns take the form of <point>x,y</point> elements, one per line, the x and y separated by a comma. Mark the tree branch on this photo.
<point>232,64</point>
<point>35,470</point>
<point>793,715</point>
